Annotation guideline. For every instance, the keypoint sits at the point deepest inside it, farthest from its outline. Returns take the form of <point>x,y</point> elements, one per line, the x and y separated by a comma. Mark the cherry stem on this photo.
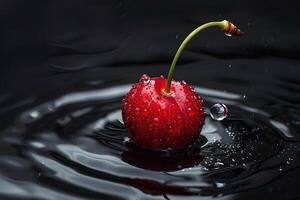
<point>224,25</point>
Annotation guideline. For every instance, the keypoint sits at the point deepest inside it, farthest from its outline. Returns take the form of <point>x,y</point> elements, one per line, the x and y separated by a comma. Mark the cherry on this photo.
<point>162,113</point>
<point>157,120</point>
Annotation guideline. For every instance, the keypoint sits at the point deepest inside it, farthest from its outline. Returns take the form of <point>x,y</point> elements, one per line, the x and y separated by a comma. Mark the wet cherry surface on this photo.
<point>73,145</point>
<point>157,120</point>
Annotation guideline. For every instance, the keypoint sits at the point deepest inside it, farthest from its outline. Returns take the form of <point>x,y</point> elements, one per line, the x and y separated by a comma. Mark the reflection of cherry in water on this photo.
<point>156,188</point>
<point>161,161</point>
<point>161,113</point>
<point>157,161</point>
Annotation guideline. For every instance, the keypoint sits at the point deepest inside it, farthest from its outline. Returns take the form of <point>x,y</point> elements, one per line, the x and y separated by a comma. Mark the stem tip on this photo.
<point>232,29</point>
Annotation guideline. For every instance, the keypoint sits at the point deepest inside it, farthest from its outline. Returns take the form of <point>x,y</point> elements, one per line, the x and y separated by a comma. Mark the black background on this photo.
<point>41,39</point>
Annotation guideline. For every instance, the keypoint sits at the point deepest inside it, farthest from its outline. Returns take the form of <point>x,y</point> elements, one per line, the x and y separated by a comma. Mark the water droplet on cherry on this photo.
<point>218,111</point>
<point>145,78</point>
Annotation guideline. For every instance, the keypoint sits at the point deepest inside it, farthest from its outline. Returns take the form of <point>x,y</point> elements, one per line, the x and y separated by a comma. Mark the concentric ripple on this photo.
<point>74,146</point>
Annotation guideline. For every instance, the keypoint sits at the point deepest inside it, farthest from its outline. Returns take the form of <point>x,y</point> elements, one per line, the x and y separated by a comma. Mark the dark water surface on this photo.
<point>73,145</point>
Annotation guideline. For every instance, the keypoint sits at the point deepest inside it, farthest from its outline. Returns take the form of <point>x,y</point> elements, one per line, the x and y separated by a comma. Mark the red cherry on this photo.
<point>157,120</point>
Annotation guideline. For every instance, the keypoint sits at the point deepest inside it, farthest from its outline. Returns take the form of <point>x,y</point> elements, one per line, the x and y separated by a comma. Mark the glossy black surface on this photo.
<point>66,67</point>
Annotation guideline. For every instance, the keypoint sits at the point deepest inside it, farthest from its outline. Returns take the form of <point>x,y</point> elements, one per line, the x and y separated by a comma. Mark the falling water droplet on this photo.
<point>218,111</point>
<point>145,78</point>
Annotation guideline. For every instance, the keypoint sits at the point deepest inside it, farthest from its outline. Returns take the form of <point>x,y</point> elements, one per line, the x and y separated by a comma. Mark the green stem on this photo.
<point>221,24</point>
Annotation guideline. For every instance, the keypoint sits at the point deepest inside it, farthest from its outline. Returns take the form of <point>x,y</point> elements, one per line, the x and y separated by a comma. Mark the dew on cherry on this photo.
<point>218,111</point>
<point>145,78</point>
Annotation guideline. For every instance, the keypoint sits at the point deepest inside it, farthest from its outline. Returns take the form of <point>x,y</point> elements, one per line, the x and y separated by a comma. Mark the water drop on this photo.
<point>218,111</point>
<point>220,185</point>
<point>228,34</point>
<point>155,119</point>
<point>145,78</point>
<point>126,139</point>
<point>50,108</point>
<point>38,145</point>
<point>34,114</point>
<point>217,164</point>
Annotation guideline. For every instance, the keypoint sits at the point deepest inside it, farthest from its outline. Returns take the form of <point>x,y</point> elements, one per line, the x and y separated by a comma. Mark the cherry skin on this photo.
<point>158,120</point>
